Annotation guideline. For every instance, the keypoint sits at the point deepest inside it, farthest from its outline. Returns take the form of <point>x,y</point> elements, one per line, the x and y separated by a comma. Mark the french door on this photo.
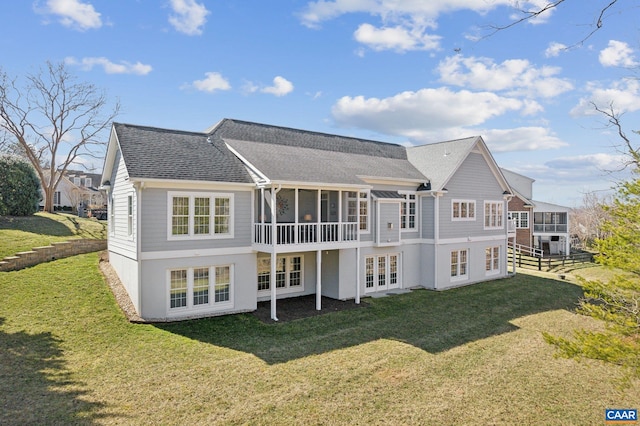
<point>382,272</point>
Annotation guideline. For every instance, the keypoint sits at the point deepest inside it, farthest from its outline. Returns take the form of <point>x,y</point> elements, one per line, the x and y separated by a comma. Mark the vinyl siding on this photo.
<point>426,205</point>
<point>473,181</point>
<point>389,214</point>
<point>119,240</point>
<point>154,230</point>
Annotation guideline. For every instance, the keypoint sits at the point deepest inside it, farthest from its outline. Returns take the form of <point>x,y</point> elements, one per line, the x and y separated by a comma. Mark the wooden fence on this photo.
<point>523,260</point>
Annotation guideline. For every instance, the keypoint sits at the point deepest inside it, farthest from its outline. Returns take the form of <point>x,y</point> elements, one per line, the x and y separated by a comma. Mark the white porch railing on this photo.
<point>511,226</point>
<point>305,233</point>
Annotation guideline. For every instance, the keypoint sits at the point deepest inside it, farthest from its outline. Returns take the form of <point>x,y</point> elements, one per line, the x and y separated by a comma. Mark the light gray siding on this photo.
<point>127,270</point>
<point>155,285</point>
<point>473,181</point>
<point>476,263</point>
<point>155,226</point>
<point>119,239</point>
<point>426,206</point>
<point>331,273</point>
<point>389,222</point>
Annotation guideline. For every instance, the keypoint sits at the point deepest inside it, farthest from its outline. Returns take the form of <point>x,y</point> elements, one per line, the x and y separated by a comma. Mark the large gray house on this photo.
<point>210,223</point>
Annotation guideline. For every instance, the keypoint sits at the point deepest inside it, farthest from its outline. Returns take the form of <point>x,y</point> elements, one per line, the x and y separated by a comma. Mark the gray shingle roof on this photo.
<point>284,154</point>
<point>155,153</point>
<point>439,161</point>
<point>275,135</point>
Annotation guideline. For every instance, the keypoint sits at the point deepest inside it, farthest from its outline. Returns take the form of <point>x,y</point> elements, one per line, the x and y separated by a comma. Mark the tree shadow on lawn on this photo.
<point>429,320</point>
<point>36,224</point>
<point>32,374</point>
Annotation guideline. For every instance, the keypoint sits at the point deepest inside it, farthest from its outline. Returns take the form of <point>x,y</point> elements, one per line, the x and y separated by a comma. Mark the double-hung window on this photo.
<point>493,214</point>
<point>459,264</point>
<point>463,210</point>
<point>197,288</point>
<point>408,212</point>
<point>289,273</point>
<point>130,215</point>
<point>200,215</point>
<point>492,262</point>
<point>521,219</point>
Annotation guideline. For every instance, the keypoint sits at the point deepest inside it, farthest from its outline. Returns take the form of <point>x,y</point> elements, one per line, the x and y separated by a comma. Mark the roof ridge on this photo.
<point>310,132</point>
<point>160,129</point>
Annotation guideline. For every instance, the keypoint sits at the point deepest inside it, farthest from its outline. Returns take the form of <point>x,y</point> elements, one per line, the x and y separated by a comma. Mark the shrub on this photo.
<point>19,187</point>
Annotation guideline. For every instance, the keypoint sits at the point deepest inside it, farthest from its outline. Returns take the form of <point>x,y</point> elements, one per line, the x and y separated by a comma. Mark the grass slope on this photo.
<point>473,355</point>
<point>24,233</point>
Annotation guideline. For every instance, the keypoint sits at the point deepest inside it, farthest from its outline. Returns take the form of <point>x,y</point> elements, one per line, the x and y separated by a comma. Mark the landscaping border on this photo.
<point>51,252</point>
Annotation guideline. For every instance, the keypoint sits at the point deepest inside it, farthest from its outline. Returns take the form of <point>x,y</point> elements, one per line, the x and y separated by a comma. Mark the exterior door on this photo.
<point>382,272</point>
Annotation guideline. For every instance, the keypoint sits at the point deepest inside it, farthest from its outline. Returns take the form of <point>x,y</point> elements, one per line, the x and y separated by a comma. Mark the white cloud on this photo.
<point>74,14</point>
<point>213,81</point>
<point>109,67</point>
<point>521,139</point>
<point>189,17</point>
<point>514,76</point>
<point>617,54</point>
<point>554,49</point>
<point>418,114</point>
<point>581,163</point>
<point>623,96</point>
<point>399,38</point>
<point>281,86</point>
<point>392,10</point>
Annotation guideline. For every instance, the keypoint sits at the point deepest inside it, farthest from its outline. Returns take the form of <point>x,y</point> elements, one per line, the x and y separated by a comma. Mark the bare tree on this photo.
<point>587,221</point>
<point>614,120</point>
<point>55,120</point>
<point>602,6</point>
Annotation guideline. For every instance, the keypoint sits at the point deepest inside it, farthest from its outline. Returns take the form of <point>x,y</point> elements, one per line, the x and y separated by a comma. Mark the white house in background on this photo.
<point>539,225</point>
<point>78,187</point>
<point>210,223</point>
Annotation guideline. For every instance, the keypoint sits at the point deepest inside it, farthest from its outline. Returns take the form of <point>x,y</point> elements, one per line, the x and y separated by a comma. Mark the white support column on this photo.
<point>357,275</point>
<point>274,254</point>
<point>318,280</point>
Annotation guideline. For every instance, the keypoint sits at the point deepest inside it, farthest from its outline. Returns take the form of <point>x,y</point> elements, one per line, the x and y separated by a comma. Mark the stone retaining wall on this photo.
<point>48,253</point>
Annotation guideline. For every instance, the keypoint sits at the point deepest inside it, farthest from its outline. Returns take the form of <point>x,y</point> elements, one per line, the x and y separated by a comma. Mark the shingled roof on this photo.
<point>155,153</point>
<point>284,154</point>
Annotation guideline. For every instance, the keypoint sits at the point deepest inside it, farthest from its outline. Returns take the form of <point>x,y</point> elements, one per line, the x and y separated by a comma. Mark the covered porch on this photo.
<point>312,217</point>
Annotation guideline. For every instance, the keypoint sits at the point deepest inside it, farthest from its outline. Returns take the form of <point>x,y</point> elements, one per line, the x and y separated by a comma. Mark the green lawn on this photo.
<point>24,233</point>
<point>473,355</point>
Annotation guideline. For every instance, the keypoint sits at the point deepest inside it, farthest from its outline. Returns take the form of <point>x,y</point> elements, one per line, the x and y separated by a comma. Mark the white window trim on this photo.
<point>112,216</point>
<point>459,277</point>
<point>130,215</point>
<point>388,286</point>
<point>211,305</point>
<point>286,289</point>
<point>493,271</point>
<point>517,215</point>
<point>406,215</point>
<point>464,219</point>
<point>368,203</point>
<point>501,216</point>
<point>192,195</point>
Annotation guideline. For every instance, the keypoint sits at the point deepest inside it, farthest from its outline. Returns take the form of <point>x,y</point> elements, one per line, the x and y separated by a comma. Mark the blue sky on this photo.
<point>403,71</point>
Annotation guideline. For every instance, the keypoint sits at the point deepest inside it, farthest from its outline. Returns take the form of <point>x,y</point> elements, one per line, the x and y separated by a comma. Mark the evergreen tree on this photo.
<point>19,187</point>
<point>616,302</point>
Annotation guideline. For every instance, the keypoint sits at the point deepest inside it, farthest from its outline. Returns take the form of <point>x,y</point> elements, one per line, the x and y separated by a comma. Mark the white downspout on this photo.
<point>274,252</point>
<point>436,236</point>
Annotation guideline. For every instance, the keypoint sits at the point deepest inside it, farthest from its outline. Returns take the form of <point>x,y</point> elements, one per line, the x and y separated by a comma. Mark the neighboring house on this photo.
<point>539,225</point>
<point>210,223</point>
<point>76,188</point>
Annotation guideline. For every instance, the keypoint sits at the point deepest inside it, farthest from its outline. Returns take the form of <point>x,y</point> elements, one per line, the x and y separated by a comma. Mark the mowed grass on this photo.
<point>473,355</point>
<point>24,233</point>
